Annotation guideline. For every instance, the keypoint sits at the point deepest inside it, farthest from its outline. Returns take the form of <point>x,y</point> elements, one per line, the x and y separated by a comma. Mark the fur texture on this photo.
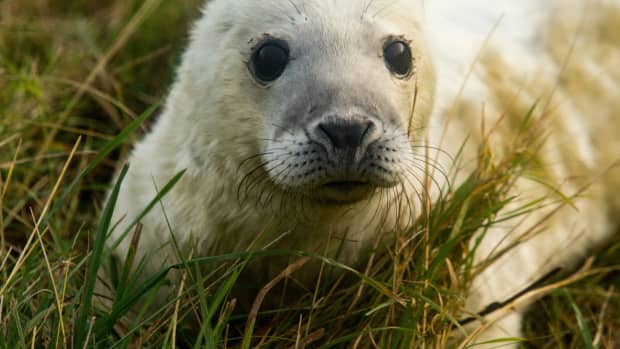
<point>488,60</point>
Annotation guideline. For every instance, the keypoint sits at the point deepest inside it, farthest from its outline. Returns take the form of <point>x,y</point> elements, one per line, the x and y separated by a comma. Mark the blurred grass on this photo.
<point>47,51</point>
<point>54,89</point>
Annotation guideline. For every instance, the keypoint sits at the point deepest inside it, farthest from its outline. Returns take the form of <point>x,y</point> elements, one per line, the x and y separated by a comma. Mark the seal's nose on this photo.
<point>346,133</point>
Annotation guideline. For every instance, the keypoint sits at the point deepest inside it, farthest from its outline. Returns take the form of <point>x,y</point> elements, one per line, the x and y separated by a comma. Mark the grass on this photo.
<point>78,79</point>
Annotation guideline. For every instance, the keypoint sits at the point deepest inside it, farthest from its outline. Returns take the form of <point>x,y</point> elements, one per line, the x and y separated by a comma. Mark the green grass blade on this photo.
<point>156,200</point>
<point>123,306</point>
<point>127,300</point>
<point>581,322</point>
<point>107,149</point>
<point>81,325</point>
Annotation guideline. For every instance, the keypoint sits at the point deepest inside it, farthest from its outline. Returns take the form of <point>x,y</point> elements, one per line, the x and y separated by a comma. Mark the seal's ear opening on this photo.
<point>269,60</point>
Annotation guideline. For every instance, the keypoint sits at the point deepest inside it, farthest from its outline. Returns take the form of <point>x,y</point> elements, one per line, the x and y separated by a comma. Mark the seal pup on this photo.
<point>305,124</point>
<point>289,111</point>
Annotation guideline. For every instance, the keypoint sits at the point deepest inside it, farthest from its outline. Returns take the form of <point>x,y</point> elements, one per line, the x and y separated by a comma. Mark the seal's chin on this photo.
<point>343,192</point>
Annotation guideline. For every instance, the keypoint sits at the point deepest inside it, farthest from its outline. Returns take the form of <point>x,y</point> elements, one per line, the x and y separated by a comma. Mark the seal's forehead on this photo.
<point>268,15</point>
<point>343,9</point>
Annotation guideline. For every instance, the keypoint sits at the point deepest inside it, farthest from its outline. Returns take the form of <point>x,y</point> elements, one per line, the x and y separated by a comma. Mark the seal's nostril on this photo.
<point>345,133</point>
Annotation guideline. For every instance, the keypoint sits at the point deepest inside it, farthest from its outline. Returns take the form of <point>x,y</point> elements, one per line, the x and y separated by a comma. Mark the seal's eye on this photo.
<point>269,60</point>
<point>398,57</point>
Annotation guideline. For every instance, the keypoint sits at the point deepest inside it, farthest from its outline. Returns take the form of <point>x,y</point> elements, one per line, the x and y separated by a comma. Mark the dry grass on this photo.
<point>74,70</point>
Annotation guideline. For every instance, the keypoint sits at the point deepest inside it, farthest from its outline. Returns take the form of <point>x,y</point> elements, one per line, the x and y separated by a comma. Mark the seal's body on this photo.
<point>299,124</point>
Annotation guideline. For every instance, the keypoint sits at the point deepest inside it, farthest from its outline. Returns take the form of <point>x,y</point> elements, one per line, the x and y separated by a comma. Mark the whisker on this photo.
<point>248,159</point>
<point>246,177</point>
<point>374,216</point>
<point>436,168</point>
<point>267,171</point>
<point>410,206</point>
<point>296,7</point>
<point>420,182</point>
<point>366,8</point>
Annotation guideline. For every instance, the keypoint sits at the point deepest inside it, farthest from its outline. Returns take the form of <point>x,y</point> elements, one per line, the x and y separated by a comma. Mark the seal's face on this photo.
<point>340,86</point>
<point>324,98</point>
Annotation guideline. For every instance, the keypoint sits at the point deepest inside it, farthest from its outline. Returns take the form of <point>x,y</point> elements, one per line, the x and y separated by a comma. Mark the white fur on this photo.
<point>208,127</point>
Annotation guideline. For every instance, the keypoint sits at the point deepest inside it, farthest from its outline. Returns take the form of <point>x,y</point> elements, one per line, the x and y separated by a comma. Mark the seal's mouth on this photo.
<point>345,186</point>
<point>343,192</point>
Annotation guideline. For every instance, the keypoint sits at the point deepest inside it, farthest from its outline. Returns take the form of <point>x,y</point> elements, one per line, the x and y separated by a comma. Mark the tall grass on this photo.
<point>79,82</point>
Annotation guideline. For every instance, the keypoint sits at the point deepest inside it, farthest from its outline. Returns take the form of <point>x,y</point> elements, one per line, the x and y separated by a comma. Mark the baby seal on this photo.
<point>305,125</point>
<point>287,120</point>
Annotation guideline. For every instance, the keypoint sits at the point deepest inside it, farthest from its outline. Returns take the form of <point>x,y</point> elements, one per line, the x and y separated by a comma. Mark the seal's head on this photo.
<point>327,98</point>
